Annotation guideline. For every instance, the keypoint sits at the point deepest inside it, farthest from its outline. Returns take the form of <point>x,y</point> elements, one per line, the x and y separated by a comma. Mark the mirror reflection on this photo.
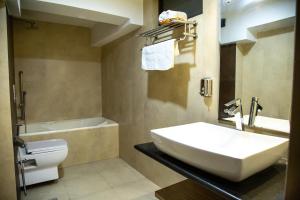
<point>257,54</point>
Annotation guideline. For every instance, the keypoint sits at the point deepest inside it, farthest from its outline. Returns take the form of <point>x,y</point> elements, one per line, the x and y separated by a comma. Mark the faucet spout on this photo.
<point>254,109</point>
<point>235,108</point>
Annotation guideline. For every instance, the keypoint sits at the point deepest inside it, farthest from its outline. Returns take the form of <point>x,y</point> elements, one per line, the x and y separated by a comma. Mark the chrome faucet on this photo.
<point>235,108</point>
<point>254,109</point>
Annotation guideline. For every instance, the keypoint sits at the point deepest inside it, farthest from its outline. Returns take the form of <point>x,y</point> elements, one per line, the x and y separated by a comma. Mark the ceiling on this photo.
<point>60,19</point>
<point>107,19</point>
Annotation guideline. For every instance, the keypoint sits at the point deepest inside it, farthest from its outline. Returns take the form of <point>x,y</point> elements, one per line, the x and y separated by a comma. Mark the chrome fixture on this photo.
<point>30,24</point>
<point>206,87</point>
<point>20,143</point>
<point>22,170</point>
<point>22,104</point>
<point>157,35</point>
<point>234,108</point>
<point>254,109</point>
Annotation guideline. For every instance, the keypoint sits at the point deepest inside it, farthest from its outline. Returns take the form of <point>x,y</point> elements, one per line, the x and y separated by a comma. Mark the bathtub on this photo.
<point>66,125</point>
<point>89,140</point>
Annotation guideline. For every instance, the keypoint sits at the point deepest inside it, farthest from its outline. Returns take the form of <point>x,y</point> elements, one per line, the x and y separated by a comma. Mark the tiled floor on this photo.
<point>104,180</point>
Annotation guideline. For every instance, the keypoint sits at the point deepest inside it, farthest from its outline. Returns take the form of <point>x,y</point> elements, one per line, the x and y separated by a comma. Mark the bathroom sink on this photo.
<point>228,153</point>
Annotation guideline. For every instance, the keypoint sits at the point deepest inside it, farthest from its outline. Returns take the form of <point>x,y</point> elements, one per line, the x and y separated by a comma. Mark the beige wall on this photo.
<point>141,100</point>
<point>62,72</point>
<point>265,70</point>
<point>87,145</point>
<point>7,169</point>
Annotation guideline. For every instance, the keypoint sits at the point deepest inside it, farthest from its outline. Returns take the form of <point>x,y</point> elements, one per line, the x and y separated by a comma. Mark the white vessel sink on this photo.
<point>225,152</point>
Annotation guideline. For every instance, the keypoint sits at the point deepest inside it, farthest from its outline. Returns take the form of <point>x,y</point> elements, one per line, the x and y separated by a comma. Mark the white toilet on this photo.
<point>42,159</point>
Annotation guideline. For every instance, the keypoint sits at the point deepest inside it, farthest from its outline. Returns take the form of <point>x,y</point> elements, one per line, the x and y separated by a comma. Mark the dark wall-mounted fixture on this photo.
<point>227,77</point>
<point>223,22</point>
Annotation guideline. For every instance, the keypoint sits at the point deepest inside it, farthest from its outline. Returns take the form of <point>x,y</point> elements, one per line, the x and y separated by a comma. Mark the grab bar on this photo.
<point>22,171</point>
<point>22,104</point>
<point>21,88</point>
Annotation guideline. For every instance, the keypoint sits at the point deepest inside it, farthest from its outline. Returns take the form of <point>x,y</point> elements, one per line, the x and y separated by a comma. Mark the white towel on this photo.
<point>167,16</point>
<point>160,56</point>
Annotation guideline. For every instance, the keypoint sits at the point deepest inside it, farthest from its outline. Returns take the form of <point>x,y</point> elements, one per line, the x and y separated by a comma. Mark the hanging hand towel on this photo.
<point>160,56</point>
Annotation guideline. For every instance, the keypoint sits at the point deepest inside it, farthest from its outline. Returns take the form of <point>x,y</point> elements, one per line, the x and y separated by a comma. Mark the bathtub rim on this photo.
<point>110,123</point>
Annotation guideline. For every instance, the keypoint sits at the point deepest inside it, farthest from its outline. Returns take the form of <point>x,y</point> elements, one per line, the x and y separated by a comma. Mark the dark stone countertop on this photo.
<point>265,185</point>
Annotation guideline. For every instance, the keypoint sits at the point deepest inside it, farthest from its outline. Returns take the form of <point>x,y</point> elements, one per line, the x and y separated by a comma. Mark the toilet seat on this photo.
<point>46,146</point>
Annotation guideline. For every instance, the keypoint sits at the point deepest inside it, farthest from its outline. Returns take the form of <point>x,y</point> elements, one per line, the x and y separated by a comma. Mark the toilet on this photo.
<point>41,160</point>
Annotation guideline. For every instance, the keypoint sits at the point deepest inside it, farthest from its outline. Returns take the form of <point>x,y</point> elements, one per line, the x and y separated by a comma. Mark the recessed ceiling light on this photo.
<point>227,2</point>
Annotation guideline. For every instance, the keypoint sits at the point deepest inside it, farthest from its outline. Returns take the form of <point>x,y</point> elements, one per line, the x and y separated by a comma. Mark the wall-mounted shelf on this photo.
<point>153,36</point>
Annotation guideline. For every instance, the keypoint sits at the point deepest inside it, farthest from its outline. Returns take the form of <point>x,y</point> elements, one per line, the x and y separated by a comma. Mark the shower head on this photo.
<point>30,24</point>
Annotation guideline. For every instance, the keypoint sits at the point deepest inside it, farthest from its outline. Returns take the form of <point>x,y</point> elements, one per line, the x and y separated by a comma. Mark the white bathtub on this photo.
<point>66,125</point>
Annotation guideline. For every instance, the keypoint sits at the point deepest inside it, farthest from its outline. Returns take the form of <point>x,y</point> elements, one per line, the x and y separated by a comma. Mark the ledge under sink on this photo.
<point>228,153</point>
<point>268,184</point>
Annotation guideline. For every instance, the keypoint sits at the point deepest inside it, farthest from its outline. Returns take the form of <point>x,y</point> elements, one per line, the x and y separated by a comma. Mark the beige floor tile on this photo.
<point>120,175</point>
<point>105,195</point>
<point>47,197</point>
<point>47,191</point>
<point>150,196</point>
<point>111,163</point>
<point>84,186</point>
<point>136,190</point>
<point>110,179</point>
<point>86,170</point>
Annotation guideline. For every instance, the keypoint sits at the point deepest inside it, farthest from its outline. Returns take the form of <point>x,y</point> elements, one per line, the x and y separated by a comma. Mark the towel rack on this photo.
<point>152,36</point>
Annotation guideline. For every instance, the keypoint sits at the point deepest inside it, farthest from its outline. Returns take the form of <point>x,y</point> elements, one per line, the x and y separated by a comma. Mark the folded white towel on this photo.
<point>160,56</point>
<point>166,16</point>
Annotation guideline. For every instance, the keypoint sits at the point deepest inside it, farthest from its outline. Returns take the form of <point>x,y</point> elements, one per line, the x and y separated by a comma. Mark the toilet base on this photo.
<point>33,176</point>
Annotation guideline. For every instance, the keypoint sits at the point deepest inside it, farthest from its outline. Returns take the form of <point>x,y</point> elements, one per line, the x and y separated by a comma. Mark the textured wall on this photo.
<point>265,70</point>
<point>7,168</point>
<point>62,72</point>
<point>141,100</point>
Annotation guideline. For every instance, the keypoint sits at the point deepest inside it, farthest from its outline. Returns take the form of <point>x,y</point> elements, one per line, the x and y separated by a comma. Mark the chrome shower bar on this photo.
<point>153,35</point>
<point>166,28</point>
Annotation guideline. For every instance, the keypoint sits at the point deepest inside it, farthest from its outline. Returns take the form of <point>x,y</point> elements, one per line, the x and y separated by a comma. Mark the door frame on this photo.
<point>293,173</point>
<point>13,104</point>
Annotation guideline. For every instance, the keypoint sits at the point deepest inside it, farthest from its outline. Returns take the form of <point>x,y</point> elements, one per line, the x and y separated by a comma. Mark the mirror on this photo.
<point>257,57</point>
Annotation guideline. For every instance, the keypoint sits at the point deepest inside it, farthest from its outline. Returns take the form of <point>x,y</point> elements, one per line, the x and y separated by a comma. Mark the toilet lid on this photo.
<point>46,146</point>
